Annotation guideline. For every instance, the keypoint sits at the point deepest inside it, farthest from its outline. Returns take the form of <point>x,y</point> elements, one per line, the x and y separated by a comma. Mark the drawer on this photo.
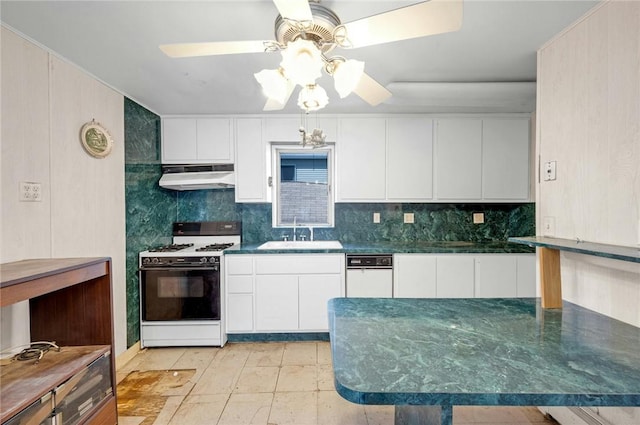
<point>239,264</point>
<point>239,284</point>
<point>299,264</point>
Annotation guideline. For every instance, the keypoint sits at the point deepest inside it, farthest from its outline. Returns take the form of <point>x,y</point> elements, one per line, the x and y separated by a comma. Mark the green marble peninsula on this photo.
<point>427,355</point>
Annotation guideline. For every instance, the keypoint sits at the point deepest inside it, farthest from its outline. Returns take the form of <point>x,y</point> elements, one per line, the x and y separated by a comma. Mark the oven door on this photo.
<point>171,294</point>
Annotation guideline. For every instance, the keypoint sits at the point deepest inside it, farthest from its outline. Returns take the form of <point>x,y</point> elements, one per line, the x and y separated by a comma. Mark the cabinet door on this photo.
<point>414,276</point>
<point>251,158</point>
<point>360,156</point>
<point>314,291</point>
<point>239,313</point>
<point>409,159</point>
<point>505,159</point>
<point>454,276</point>
<point>495,276</point>
<point>214,140</point>
<point>458,159</point>
<point>179,140</point>
<point>526,264</point>
<point>276,303</point>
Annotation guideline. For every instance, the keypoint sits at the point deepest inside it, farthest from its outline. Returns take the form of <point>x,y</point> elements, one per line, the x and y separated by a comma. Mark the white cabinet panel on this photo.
<point>414,276</point>
<point>505,159</point>
<point>369,283</point>
<point>197,140</point>
<point>314,291</point>
<point>299,264</point>
<point>360,152</point>
<point>178,140</point>
<point>239,312</point>
<point>455,276</point>
<point>251,159</point>
<point>409,159</point>
<point>526,264</point>
<point>276,302</point>
<point>495,276</point>
<point>239,284</point>
<point>239,264</point>
<point>458,156</point>
<point>286,129</point>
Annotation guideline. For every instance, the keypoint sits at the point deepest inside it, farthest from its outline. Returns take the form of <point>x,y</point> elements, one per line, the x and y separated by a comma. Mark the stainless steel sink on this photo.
<point>301,245</point>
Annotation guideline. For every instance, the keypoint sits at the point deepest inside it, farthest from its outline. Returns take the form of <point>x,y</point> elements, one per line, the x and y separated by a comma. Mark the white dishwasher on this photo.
<point>369,275</point>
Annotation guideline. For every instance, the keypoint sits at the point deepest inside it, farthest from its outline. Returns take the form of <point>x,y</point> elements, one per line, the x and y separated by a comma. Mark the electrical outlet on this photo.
<point>376,217</point>
<point>30,192</point>
<point>408,218</point>
<point>548,226</point>
<point>478,218</point>
<point>549,170</point>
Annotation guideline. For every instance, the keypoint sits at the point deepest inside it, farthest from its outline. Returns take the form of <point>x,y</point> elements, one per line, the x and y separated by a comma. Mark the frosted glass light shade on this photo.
<point>312,98</point>
<point>347,75</point>
<point>274,85</point>
<point>302,62</point>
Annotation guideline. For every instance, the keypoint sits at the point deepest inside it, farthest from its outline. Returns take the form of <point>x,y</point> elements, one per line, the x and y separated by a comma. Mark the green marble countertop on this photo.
<point>450,352</point>
<point>616,252</point>
<point>427,247</point>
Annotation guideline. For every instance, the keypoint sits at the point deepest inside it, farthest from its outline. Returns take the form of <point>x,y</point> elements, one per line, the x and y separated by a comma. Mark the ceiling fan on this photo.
<point>306,33</point>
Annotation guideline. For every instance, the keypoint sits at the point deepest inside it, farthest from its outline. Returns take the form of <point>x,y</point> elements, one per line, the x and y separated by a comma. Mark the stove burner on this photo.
<point>171,248</point>
<point>214,247</point>
<point>36,351</point>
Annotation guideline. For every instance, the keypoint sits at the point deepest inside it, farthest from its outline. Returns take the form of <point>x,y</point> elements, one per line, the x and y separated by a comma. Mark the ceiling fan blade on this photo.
<point>296,10</point>
<point>185,50</point>
<point>418,20</point>
<point>371,91</point>
<point>274,105</point>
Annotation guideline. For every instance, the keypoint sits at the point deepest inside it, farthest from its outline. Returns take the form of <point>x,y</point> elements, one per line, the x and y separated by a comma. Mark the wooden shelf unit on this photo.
<point>70,302</point>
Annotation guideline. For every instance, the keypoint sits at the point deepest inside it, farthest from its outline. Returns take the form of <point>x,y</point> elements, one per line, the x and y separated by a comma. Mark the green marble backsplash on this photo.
<point>151,211</point>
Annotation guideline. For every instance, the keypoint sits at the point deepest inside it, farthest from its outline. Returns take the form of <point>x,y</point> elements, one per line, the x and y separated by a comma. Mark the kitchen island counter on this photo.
<point>415,247</point>
<point>427,355</point>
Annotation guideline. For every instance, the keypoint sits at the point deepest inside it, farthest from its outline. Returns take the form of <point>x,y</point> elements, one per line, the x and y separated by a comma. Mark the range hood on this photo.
<point>197,177</point>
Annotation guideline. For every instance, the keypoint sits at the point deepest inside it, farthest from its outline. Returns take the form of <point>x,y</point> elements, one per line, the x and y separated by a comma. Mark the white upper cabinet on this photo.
<point>458,161</point>
<point>197,140</point>
<point>287,129</point>
<point>360,158</point>
<point>505,154</point>
<point>251,161</point>
<point>409,159</point>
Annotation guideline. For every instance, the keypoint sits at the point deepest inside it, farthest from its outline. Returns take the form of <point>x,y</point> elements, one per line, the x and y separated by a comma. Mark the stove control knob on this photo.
<point>212,260</point>
<point>203,260</point>
<point>145,260</point>
<point>155,260</point>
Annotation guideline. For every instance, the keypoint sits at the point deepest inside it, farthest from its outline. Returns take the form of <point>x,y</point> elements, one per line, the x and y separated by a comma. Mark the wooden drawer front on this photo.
<point>239,264</point>
<point>240,284</point>
<point>299,264</point>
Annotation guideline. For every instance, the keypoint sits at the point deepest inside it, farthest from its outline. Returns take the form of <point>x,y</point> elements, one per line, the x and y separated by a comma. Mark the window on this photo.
<point>302,186</point>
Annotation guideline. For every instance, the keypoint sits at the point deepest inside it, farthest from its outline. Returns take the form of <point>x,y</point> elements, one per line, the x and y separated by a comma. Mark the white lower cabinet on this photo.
<point>464,275</point>
<point>281,292</point>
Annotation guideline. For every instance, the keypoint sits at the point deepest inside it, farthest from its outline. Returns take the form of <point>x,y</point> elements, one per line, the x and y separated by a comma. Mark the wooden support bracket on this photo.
<point>550,278</point>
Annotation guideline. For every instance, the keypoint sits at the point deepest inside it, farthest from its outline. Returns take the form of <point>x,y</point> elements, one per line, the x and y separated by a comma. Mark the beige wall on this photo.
<point>589,122</point>
<point>45,102</point>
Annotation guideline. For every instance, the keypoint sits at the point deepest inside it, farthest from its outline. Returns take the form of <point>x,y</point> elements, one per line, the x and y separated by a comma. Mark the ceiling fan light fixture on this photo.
<point>274,85</point>
<point>302,62</point>
<point>312,98</point>
<point>347,75</point>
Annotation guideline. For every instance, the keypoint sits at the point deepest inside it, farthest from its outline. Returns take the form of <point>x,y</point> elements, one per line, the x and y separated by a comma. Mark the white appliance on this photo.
<point>369,275</point>
<point>182,286</point>
<point>197,177</point>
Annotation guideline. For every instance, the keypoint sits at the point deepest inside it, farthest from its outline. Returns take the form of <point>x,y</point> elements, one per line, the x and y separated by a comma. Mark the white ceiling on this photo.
<point>117,42</point>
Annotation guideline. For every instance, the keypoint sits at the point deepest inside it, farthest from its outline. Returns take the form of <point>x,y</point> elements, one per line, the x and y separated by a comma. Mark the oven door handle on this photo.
<point>176,269</point>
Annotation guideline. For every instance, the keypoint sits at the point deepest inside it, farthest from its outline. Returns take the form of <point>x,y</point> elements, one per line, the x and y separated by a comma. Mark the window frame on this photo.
<point>278,148</point>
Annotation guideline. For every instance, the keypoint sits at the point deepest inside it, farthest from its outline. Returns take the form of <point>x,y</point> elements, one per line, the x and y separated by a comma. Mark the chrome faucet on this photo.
<point>294,228</point>
<point>310,233</point>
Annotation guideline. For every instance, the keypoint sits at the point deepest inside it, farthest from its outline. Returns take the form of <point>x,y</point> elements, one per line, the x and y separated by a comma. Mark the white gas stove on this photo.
<point>182,286</point>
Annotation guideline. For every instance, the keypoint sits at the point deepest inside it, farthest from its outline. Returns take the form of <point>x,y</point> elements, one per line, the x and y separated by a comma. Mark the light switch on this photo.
<point>478,218</point>
<point>408,218</point>
<point>376,217</point>
<point>548,226</point>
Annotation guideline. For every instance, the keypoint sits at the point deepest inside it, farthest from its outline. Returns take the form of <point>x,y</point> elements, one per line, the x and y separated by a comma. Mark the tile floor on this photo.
<point>277,384</point>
